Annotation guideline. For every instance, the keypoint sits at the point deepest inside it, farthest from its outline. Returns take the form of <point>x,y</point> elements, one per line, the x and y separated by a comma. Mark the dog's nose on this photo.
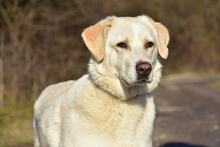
<point>143,69</point>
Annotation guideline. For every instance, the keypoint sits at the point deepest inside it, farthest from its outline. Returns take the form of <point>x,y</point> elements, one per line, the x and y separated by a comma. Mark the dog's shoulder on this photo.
<point>51,92</point>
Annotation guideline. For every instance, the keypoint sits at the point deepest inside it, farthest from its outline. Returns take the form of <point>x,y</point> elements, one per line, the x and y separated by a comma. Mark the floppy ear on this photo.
<point>163,39</point>
<point>95,37</point>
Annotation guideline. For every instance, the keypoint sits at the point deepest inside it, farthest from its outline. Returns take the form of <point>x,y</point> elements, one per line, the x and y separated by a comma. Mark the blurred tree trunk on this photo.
<point>1,83</point>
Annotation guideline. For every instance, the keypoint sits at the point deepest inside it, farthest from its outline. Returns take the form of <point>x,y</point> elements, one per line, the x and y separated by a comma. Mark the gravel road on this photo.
<point>188,112</point>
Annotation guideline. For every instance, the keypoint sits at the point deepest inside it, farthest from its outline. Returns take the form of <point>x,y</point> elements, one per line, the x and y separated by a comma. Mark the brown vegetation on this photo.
<point>39,37</point>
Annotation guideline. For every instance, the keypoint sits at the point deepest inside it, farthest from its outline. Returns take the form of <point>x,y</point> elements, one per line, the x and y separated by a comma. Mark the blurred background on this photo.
<point>39,37</point>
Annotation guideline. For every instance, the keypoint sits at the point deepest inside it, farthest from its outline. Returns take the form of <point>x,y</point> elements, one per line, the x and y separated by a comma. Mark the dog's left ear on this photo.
<point>163,39</point>
<point>95,37</point>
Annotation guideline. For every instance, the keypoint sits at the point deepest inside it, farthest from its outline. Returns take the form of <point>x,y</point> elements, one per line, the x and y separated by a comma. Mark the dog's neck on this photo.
<point>101,78</point>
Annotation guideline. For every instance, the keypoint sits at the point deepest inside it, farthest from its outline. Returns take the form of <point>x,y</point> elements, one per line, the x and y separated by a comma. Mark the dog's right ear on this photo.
<point>95,37</point>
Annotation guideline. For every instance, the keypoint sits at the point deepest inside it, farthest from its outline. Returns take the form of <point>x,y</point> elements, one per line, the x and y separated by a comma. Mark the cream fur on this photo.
<point>99,109</point>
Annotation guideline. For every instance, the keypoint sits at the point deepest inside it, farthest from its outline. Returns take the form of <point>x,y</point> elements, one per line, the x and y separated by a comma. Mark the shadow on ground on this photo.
<point>180,144</point>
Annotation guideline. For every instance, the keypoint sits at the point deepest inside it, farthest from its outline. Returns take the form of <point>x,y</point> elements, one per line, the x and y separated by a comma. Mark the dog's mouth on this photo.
<point>143,81</point>
<point>140,82</point>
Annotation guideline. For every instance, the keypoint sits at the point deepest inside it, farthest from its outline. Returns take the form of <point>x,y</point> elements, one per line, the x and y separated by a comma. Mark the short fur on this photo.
<point>106,107</point>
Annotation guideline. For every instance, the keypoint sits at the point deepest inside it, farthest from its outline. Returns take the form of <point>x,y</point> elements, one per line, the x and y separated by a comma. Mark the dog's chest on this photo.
<point>101,119</point>
<point>121,119</point>
<point>118,121</point>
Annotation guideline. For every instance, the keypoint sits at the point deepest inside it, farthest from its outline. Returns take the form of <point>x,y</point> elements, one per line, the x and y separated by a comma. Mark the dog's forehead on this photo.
<point>131,27</point>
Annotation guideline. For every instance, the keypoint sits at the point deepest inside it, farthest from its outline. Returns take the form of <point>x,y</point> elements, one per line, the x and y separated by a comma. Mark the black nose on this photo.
<point>143,69</point>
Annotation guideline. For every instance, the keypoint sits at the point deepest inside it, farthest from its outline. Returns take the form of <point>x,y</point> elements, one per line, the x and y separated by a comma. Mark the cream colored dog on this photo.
<point>112,105</point>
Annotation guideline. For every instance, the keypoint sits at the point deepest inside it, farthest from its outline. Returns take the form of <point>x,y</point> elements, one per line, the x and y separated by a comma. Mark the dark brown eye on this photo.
<point>122,45</point>
<point>149,44</point>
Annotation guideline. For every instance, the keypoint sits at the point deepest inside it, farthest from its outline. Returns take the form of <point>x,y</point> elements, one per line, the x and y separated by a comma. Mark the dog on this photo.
<point>112,105</point>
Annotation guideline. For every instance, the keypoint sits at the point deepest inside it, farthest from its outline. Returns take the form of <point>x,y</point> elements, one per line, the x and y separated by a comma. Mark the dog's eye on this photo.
<point>122,45</point>
<point>149,44</point>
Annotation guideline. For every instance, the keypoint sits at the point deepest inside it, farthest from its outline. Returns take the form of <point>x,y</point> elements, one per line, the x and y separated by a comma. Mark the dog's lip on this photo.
<point>137,83</point>
<point>143,81</point>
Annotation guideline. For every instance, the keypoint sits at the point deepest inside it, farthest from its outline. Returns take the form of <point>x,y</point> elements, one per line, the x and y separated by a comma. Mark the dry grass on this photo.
<point>16,123</point>
<point>38,38</point>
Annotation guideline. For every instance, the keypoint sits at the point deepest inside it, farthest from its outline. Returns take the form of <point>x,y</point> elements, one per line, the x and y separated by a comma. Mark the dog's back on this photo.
<point>48,101</point>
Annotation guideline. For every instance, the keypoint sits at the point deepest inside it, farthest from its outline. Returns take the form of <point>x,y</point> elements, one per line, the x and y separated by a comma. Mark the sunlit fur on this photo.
<point>99,109</point>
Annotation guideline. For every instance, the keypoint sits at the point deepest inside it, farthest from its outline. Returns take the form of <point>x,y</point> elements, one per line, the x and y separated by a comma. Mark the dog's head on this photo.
<point>127,47</point>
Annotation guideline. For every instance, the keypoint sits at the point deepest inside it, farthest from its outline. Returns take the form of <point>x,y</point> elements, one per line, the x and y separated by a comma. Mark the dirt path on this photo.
<point>188,113</point>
